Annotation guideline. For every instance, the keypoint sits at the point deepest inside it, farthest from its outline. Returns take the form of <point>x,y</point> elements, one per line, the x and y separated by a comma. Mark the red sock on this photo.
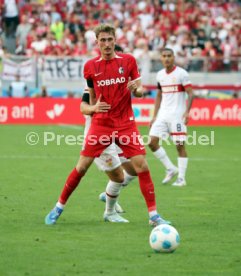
<point>70,185</point>
<point>147,189</point>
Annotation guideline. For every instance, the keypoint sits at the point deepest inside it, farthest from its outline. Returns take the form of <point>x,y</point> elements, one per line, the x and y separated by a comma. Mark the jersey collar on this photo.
<point>169,72</point>
<point>116,56</point>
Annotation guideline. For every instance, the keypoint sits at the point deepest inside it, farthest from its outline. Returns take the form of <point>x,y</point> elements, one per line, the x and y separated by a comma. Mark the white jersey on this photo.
<point>18,89</point>
<point>172,85</point>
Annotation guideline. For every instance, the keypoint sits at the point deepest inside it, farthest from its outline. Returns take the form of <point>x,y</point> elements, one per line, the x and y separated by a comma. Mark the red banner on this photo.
<point>216,113</point>
<point>40,111</point>
<point>67,111</point>
<point>203,112</point>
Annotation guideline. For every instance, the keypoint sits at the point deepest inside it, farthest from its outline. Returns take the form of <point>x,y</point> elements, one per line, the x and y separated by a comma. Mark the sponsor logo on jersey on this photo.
<point>172,88</point>
<point>110,81</point>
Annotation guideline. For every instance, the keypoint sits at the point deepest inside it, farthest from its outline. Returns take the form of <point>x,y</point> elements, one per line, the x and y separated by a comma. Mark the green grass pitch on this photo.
<point>206,212</point>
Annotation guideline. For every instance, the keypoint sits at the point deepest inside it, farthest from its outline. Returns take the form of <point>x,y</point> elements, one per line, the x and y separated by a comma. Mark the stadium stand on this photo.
<point>205,35</point>
<point>192,28</point>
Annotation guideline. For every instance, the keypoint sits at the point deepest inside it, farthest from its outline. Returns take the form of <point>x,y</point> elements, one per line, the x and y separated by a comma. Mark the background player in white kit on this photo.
<point>171,115</point>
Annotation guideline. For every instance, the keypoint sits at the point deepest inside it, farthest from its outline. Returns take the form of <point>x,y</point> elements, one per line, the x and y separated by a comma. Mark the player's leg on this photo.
<point>111,158</point>
<point>147,188</point>
<point>182,161</point>
<point>160,129</point>
<point>70,185</point>
<point>133,147</point>
<point>113,188</point>
<point>109,162</point>
<point>129,171</point>
<point>178,134</point>
<point>129,175</point>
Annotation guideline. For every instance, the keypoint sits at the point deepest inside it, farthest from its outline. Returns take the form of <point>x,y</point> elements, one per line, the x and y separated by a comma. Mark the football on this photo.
<point>164,238</point>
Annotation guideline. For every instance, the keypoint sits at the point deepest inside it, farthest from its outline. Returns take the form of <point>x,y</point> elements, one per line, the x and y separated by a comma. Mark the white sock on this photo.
<point>127,179</point>
<point>152,213</point>
<point>60,205</point>
<point>112,193</point>
<point>162,156</point>
<point>182,166</point>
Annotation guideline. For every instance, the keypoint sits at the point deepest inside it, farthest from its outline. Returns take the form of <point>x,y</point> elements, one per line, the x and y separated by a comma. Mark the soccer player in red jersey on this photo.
<point>108,78</point>
<point>111,161</point>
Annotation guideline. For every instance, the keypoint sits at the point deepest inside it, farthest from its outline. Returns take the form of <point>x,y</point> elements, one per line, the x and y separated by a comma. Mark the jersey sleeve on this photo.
<point>134,72</point>
<point>185,79</point>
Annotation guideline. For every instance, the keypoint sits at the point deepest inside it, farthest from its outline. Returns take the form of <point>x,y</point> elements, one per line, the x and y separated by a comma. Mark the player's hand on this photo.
<point>185,118</point>
<point>131,85</point>
<point>135,88</point>
<point>101,107</point>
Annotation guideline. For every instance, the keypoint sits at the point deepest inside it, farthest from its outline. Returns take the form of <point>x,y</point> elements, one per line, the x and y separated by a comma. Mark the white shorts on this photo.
<point>110,159</point>
<point>163,128</point>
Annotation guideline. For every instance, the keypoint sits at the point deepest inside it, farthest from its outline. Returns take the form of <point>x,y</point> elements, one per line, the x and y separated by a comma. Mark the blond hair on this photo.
<point>104,28</point>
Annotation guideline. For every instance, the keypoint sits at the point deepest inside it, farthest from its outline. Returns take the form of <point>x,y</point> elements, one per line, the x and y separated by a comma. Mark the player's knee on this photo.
<point>116,175</point>
<point>142,168</point>
<point>181,149</point>
<point>83,164</point>
<point>153,144</point>
<point>140,165</point>
<point>81,169</point>
<point>119,179</point>
<point>128,167</point>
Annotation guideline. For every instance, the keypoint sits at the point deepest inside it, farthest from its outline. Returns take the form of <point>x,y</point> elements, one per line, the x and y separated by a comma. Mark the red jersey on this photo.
<point>109,78</point>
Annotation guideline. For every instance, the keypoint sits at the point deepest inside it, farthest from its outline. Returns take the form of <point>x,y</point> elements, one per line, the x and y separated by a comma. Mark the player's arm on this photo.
<point>94,105</point>
<point>88,109</point>
<point>157,103</point>
<point>91,91</point>
<point>190,94</point>
<point>135,85</point>
<point>136,88</point>
<point>85,108</point>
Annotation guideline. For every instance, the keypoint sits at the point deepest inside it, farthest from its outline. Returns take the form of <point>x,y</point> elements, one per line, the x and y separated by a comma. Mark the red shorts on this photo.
<point>100,137</point>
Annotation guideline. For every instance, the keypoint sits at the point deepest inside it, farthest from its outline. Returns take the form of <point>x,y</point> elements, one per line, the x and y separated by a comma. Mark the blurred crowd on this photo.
<point>196,29</point>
